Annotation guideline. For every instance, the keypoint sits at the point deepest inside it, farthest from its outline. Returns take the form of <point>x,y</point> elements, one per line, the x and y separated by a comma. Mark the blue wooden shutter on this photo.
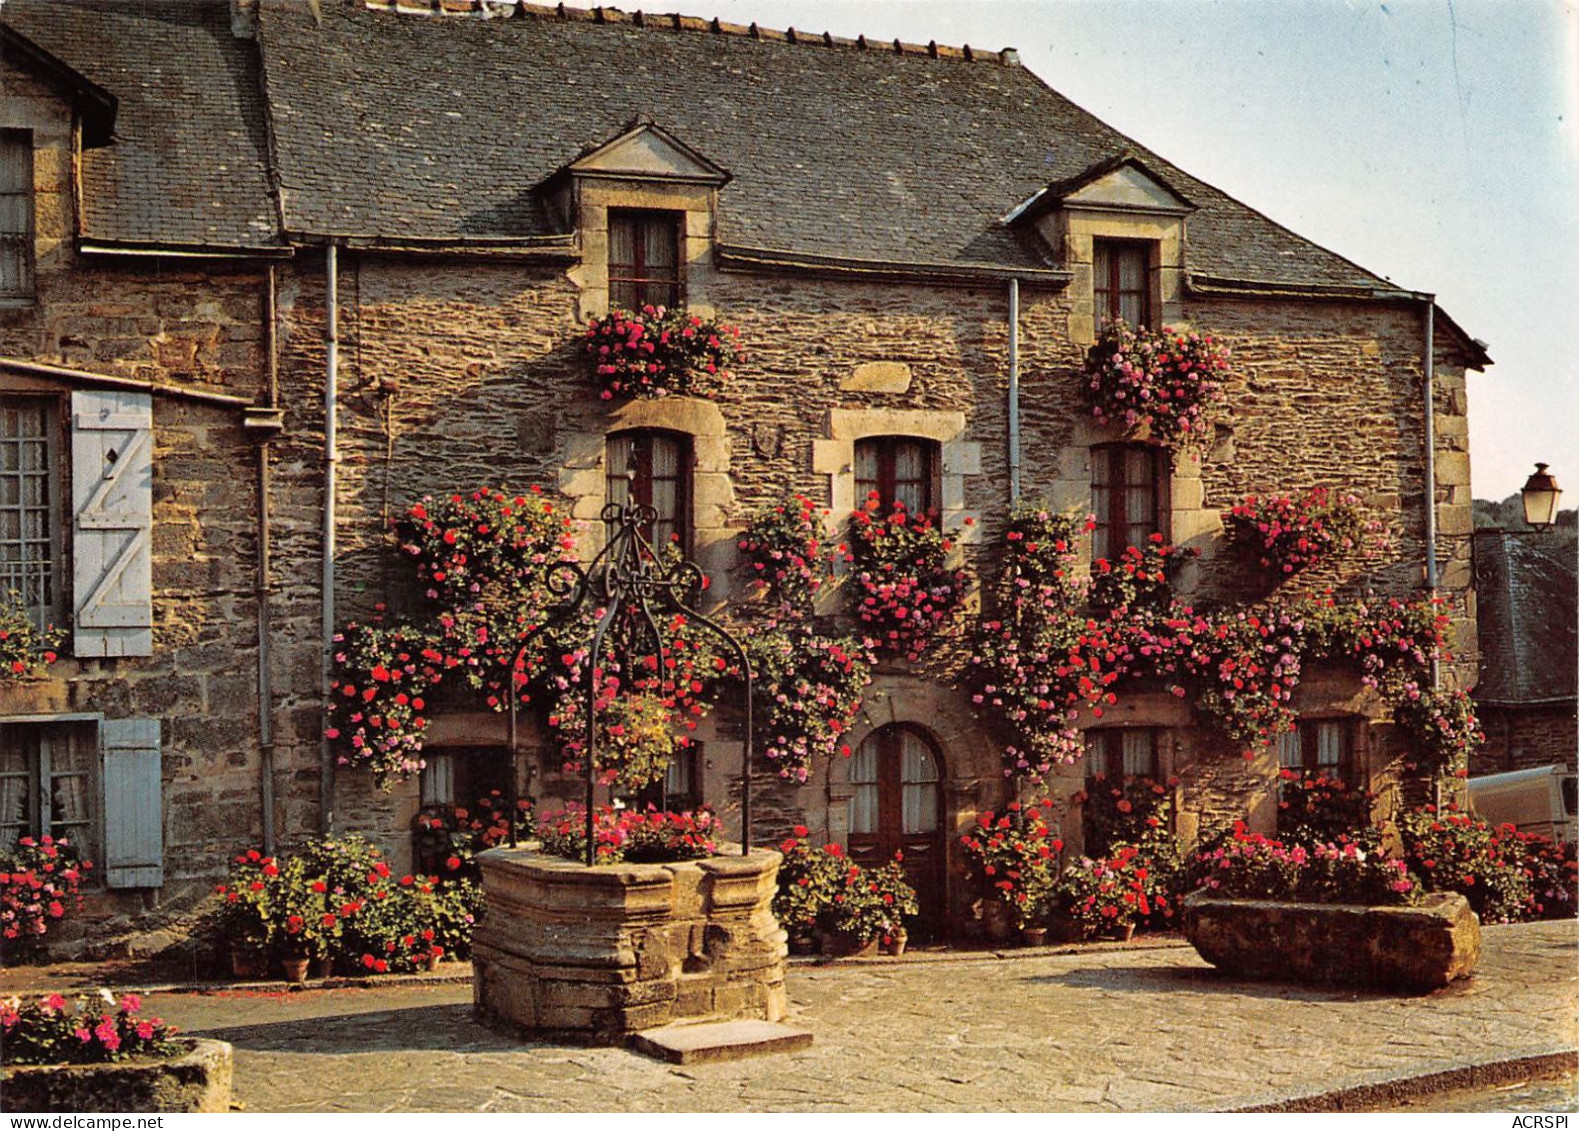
<point>112,506</point>
<point>133,804</point>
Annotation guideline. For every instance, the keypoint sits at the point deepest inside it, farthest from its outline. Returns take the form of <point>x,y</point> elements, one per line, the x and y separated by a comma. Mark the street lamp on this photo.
<point>1540,499</point>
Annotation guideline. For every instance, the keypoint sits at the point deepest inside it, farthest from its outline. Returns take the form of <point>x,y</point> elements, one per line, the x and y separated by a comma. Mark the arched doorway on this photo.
<point>896,805</point>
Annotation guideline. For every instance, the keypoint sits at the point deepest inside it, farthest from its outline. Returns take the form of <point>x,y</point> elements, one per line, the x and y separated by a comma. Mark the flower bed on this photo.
<point>1412,949</point>
<point>631,835</point>
<point>606,951</point>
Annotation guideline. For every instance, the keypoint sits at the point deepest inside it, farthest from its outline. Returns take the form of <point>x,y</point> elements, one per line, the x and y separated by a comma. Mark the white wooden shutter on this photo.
<point>133,803</point>
<point>112,507</point>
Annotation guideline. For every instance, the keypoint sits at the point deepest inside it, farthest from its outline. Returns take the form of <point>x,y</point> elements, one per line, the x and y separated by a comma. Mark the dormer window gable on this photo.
<point>1122,184</point>
<point>647,152</point>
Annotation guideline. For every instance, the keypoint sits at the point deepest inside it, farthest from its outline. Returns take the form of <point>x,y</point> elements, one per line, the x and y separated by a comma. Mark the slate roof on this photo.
<point>404,126</point>
<point>1527,597</point>
<point>189,165</point>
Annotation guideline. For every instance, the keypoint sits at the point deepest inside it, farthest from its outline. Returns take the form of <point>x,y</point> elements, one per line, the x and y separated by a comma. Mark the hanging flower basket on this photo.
<point>659,352</point>
<point>1167,379</point>
<point>1283,535</point>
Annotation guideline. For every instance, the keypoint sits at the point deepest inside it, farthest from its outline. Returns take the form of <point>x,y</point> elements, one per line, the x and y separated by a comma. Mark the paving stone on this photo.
<point>721,1040</point>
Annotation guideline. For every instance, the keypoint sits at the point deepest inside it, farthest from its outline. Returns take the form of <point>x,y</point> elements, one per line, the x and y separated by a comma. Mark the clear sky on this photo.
<point>1434,142</point>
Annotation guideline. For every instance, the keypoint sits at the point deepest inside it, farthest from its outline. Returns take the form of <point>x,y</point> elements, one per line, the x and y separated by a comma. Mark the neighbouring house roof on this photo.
<point>1527,597</point>
<point>188,166</point>
<point>443,124</point>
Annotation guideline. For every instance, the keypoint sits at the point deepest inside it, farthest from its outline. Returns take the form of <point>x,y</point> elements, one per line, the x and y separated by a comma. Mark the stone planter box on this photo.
<point>1417,948</point>
<point>197,1080</point>
<point>606,951</point>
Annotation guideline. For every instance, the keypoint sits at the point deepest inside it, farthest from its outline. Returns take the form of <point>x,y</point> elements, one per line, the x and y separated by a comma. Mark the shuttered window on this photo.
<point>1128,485</point>
<point>30,495</point>
<point>112,523</point>
<point>133,803</point>
<point>16,215</point>
<point>47,784</point>
<point>644,259</point>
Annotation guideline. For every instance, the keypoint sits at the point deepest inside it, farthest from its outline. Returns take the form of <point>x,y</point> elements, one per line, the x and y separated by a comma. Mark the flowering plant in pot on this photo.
<point>1105,896</point>
<point>1013,858</point>
<point>246,916</point>
<point>1283,535</point>
<point>808,876</point>
<point>1167,379</point>
<point>89,1029</point>
<point>25,649</point>
<point>900,589</point>
<point>40,881</point>
<point>1453,850</point>
<point>636,836</point>
<point>866,904</point>
<point>659,351</point>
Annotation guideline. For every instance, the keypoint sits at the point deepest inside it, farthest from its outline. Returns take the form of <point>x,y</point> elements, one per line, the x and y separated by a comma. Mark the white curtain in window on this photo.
<point>863,776</point>
<point>1290,749</point>
<point>665,489</point>
<point>910,469</point>
<point>438,780</point>
<point>1329,743</point>
<point>1140,753</point>
<point>919,780</point>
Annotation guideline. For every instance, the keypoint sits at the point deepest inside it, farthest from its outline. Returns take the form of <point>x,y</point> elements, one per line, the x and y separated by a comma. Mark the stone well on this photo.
<point>1416,948</point>
<point>606,951</point>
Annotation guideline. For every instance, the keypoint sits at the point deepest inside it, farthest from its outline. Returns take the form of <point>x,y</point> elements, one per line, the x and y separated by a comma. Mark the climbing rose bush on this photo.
<point>1167,378</point>
<point>40,881</point>
<point>1284,535</point>
<point>1442,726</point>
<point>900,589</point>
<point>377,710</point>
<point>786,555</point>
<point>659,352</point>
<point>89,1029</point>
<point>808,689</point>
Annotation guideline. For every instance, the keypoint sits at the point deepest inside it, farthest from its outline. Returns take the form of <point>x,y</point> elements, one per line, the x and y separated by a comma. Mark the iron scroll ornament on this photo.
<point>630,585</point>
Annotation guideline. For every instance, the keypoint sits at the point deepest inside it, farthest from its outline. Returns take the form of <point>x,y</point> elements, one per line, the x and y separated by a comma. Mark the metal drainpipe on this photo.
<point>265,683</point>
<point>331,459</point>
<point>1431,579</point>
<point>1014,392</point>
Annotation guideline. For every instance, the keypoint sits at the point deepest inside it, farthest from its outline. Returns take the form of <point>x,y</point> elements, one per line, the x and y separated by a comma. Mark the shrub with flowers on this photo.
<point>1166,378</point>
<point>24,648</point>
<point>40,880</point>
<point>1554,874</point>
<point>1127,812</point>
<point>900,589</point>
<point>1451,850</point>
<point>96,1029</point>
<point>1286,534</point>
<point>378,697</point>
<point>1247,865</point>
<point>249,898</point>
<point>1390,640</point>
<point>1318,807</point>
<point>1013,856</point>
<point>808,877</point>
<point>1140,581</point>
<point>785,554</point>
<point>449,837</point>
<point>1442,726</point>
<point>1105,895</point>
<point>870,903</point>
<point>659,352</point>
<point>630,835</point>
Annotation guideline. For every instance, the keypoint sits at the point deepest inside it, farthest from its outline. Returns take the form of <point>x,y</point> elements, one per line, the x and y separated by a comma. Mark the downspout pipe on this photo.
<point>264,579</point>
<point>331,460</point>
<point>1428,367</point>
<point>1014,392</point>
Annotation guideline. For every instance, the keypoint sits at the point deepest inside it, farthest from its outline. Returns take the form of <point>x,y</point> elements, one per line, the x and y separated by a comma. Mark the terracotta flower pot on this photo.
<point>430,962</point>
<point>894,944</point>
<point>1033,936</point>
<point>1120,933</point>
<point>248,961</point>
<point>997,921</point>
<point>296,969</point>
<point>324,967</point>
<point>836,945</point>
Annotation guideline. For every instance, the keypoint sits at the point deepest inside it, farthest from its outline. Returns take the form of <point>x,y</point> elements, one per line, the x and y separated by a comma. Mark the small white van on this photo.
<point>1540,800</point>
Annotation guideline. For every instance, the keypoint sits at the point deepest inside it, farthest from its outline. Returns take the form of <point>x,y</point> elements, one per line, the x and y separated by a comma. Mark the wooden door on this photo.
<point>897,806</point>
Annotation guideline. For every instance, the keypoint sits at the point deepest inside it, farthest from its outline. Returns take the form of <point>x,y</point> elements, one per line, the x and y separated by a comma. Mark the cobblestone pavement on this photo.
<point>1107,1029</point>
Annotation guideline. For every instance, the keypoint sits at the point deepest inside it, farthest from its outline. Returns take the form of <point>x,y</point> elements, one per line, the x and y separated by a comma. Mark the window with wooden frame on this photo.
<point>463,775</point>
<point>644,259</point>
<point>653,469</point>
<point>1319,745</point>
<point>1121,282</point>
<point>31,489</point>
<point>47,784</point>
<point>16,216</point>
<point>897,469</point>
<point>1119,754</point>
<point>680,788</point>
<point>1129,489</point>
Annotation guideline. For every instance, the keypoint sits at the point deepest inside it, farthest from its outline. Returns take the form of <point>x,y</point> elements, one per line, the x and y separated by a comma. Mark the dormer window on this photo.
<point>16,216</point>
<point>1119,282</point>
<point>644,259</point>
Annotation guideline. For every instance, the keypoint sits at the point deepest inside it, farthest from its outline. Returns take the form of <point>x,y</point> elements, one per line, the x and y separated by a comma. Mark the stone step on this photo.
<point>719,1040</point>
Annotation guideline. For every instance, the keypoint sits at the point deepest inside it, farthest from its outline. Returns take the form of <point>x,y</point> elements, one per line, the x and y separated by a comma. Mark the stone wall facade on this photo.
<point>464,369</point>
<point>1524,737</point>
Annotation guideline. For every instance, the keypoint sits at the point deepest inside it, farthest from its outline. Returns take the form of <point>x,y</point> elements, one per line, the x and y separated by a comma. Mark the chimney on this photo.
<point>244,18</point>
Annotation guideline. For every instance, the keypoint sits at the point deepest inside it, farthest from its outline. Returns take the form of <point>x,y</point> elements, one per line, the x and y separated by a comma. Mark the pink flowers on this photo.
<point>659,352</point>
<point>1167,379</point>
<point>901,590</point>
<point>1285,535</point>
<point>92,1029</point>
<point>39,881</point>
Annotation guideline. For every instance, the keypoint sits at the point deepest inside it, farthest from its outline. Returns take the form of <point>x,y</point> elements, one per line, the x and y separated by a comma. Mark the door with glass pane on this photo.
<point>897,806</point>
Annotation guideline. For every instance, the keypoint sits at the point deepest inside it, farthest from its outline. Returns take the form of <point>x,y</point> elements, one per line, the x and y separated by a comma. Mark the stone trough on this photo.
<point>1414,949</point>
<point>196,1080</point>
<point>601,953</point>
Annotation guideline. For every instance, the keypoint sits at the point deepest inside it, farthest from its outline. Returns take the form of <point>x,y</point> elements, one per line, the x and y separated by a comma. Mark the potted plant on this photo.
<point>1012,858</point>
<point>246,915</point>
<point>39,887</point>
<point>658,352</point>
<point>899,901</point>
<point>807,878</point>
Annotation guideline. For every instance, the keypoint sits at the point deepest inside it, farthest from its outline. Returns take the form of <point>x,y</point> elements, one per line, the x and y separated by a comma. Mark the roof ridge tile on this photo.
<point>675,21</point>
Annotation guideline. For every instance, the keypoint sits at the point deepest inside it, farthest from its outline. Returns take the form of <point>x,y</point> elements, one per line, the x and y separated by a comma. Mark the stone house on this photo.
<point>270,277</point>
